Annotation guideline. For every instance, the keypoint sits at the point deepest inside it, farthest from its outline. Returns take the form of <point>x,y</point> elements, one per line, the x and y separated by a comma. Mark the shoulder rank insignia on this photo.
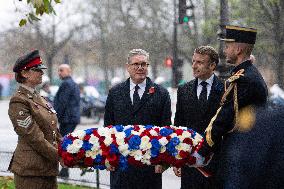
<point>25,122</point>
<point>236,75</point>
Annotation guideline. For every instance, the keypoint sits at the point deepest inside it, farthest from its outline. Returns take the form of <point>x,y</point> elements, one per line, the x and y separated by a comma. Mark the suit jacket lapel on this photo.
<point>146,96</point>
<point>126,93</point>
<point>216,89</point>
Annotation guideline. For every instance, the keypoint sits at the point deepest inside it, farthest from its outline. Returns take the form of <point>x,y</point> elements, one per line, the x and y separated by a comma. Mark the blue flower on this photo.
<point>89,131</point>
<point>113,149</point>
<point>166,132</point>
<point>119,128</point>
<point>155,150</point>
<point>134,142</point>
<point>98,159</point>
<point>123,163</point>
<point>66,142</point>
<point>171,146</point>
<point>128,132</point>
<point>86,145</point>
<point>148,126</point>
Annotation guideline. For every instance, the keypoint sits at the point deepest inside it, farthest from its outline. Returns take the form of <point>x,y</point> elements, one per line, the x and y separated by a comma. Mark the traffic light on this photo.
<point>168,62</point>
<point>182,16</point>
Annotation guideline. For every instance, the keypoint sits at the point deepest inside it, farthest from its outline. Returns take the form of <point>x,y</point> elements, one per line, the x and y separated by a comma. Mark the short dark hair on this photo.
<point>19,77</point>
<point>210,51</point>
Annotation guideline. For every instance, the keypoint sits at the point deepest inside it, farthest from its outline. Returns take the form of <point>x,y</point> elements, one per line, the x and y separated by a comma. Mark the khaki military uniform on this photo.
<point>35,123</point>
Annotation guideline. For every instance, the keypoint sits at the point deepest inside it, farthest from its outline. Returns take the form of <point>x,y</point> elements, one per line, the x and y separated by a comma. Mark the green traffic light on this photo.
<point>186,19</point>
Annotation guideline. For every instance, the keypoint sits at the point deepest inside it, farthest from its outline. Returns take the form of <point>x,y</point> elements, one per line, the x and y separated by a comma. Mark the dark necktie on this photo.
<point>203,95</point>
<point>136,98</point>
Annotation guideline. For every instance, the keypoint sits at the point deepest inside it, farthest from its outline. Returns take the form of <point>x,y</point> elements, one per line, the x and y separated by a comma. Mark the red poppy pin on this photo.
<point>151,90</point>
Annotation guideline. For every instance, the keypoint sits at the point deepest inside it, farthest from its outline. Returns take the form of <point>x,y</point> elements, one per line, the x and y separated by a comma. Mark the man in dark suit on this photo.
<point>197,102</point>
<point>67,105</point>
<point>137,101</point>
<point>246,87</point>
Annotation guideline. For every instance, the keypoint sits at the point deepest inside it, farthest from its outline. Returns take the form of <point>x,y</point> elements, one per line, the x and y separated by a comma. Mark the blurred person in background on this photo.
<point>137,101</point>
<point>45,92</point>
<point>197,102</point>
<point>1,89</point>
<point>67,105</point>
<point>35,160</point>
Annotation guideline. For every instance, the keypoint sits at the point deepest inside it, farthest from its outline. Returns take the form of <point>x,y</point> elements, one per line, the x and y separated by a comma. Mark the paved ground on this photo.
<point>8,142</point>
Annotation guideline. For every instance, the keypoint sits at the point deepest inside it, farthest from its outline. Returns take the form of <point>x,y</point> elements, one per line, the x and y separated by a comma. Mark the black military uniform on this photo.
<point>245,87</point>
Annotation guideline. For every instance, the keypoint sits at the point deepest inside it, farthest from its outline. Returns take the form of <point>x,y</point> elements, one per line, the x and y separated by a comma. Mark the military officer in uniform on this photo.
<point>35,160</point>
<point>244,88</point>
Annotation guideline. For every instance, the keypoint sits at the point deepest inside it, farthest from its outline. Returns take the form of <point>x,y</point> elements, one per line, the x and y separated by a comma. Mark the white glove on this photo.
<point>199,160</point>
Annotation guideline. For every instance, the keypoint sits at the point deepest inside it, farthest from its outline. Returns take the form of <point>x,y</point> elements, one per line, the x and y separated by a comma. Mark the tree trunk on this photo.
<point>50,68</point>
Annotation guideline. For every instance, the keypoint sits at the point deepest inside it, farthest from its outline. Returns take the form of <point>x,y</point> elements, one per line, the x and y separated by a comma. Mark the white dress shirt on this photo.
<point>140,90</point>
<point>209,82</point>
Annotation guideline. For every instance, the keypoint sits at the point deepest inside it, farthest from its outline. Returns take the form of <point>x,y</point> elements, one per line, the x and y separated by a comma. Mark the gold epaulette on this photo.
<point>236,75</point>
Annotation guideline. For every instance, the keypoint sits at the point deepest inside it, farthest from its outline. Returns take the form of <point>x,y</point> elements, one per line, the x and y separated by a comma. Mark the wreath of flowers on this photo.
<point>138,145</point>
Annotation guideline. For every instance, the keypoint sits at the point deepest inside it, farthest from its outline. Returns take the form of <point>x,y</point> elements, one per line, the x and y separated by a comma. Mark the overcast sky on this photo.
<point>9,16</point>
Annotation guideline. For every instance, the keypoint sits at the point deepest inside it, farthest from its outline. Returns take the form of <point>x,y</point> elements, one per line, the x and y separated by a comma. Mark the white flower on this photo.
<point>92,153</point>
<point>153,132</point>
<point>93,139</point>
<point>108,140</point>
<point>173,135</point>
<point>186,134</point>
<point>135,133</point>
<point>163,141</point>
<point>123,149</point>
<point>103,131</point>
<point>184,147</point>
<point>75,147</point>
<point>144,142</point>
<point>79,133</point>
<point>138,155</point>
<point>120,135</point>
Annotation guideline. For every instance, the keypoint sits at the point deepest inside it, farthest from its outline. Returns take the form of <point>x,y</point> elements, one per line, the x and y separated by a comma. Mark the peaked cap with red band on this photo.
<point>30,60</point>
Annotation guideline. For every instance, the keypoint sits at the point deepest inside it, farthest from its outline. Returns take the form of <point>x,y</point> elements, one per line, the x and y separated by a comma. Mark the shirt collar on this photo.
<point>141,85</point>
<point>31,90</point>
<point>209,81</point>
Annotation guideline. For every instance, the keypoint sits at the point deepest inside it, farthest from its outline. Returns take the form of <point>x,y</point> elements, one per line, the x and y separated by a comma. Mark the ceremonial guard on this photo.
<point>244,88</point>
<point>35,160</point>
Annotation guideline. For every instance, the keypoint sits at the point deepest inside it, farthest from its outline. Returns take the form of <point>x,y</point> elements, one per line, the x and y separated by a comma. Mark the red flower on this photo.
<point>87,137</point>
<point>81,154</point>
<point>179,132</point>
<point>88,161</point>
<point>151,90</point>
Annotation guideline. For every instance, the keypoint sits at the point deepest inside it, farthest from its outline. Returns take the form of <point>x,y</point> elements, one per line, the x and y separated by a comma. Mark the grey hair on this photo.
<point>134,52</point>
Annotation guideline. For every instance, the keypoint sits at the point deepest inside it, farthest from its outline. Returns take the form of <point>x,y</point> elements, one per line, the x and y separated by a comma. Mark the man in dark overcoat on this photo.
<point>246,87</point>
<point>67,105</point>
<point>195,111</point>
<point>137,101</point>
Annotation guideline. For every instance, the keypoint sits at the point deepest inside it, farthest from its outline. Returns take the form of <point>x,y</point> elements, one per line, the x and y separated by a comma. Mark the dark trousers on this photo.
<point>66,128</point>
<point>35,182</point>
<point>136,178</point>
